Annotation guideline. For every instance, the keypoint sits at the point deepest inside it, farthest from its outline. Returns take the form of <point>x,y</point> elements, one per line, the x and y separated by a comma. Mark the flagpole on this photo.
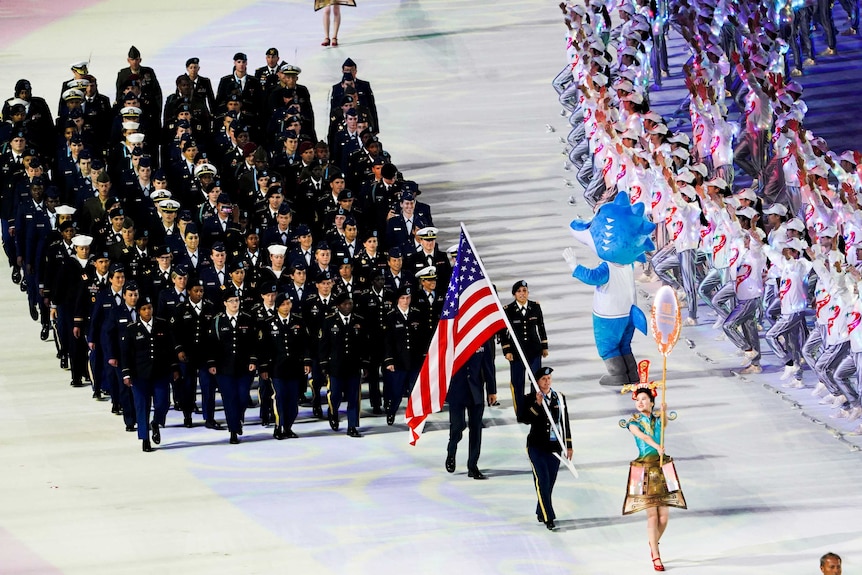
<point>557,430</point>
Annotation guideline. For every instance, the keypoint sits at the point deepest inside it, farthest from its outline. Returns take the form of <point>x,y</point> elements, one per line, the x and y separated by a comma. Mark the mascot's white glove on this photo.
<point>571,258</point>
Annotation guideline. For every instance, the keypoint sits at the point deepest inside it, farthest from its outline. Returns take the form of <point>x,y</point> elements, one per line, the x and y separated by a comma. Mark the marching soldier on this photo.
<point>528,324</point>
<point>149,361</point>
<point>192,323</point>
<point>405,352</point>
<point>233,359</point>
<point>288,362</point>
<point>344,359</point>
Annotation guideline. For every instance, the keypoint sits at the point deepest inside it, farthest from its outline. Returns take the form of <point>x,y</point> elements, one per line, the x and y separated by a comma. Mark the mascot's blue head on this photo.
<point>618,233</point>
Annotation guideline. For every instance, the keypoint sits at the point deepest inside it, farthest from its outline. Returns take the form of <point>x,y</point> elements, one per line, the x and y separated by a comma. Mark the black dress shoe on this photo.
<point>43,335</point>
<point>187,421</point>
<point>115,409</point>
<point>450,463</point>
<point>130,428</point>
<point>34,313</point>
<point>539,518</point>
<point>97,395</point>
<point>353,432</point>
<point>289,434</point>
<point>317,412</point>
<point>213,424</point>
<point>145,445</point>
<point>550,525</point>
<point>157,436</point>
<point>64,362</point>
<point>16,274</point>
<point>377,410</point>
<point>234,439</point>
<point>390,419</point>
<point>476,474</point>
<point>239,431</point>
<point>333,420</point>
<point>277,434</point>
<point>23,285</point>
<point>76,384</point>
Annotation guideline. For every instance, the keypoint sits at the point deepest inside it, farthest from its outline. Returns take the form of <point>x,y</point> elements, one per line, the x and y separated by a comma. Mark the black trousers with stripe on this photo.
<point>545,467</point>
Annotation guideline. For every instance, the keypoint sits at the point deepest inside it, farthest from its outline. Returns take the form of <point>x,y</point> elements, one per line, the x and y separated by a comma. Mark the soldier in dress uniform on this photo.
<point>470,388</point>
<point>93,280</point>
<point>527,321</point>
<point>120,317</point>
<point>149,363</point>
<point>374,305</point>
<point>429,255</point>
<point>97,330</point>
<point>202,89</point>
<point>263,310</point>
<point>344,359</point>
<point>232,359</point>
<point>370,260</point>
<point>315,310</point>
<point>429,300</point>
<point>192,324</point>
<point>543,445</point>
<point>405,350</point>
<point>285,341</point>
<point>239,83</point>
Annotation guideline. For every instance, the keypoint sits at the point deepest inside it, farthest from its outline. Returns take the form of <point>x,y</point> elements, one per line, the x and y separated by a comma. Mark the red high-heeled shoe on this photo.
<point>325,42</point>
<point>657,566</point>
<point>334,41</point>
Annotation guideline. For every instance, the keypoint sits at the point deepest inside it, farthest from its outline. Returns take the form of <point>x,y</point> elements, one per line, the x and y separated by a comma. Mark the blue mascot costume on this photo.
<point>619,235</point>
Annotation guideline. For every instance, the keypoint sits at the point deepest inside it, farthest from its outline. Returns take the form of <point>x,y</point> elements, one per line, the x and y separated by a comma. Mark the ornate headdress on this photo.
<point>643,376</point>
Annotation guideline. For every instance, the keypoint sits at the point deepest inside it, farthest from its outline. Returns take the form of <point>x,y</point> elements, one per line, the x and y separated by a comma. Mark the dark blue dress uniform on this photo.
<point>468,391</point>
<point>191,325</point>
<point>286,349</point>
<point>122,399</point>
<point>314,311</point>
<point>88,291</point>
<point>529,328</point>
<point>542,444</point>
<point>261,314</point>
<point>403,338</point>
<point>149,360</point>
<point>343,356</point>
<point>32,227</point>
<point>374,306</point>
<point>232,348</point>
<point>97,334</point>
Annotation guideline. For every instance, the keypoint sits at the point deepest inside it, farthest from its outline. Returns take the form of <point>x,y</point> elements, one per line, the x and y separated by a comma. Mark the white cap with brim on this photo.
<point>747,194</point>
<point>747,212</point>
<point>796,244</point>
<point>776,209</point>
<point>427,273</point>
<point>795,224</point>
<point>717,183</point>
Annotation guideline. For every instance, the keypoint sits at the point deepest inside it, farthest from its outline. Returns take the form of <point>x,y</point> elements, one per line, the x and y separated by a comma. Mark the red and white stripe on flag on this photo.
<point>471,315</point>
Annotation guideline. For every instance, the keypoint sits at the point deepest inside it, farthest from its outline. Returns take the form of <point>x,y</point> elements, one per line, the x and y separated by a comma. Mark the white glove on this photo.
<point>571,258</point>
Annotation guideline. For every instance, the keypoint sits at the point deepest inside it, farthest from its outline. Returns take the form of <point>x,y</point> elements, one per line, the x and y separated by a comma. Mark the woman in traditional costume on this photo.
<point>653,484</point>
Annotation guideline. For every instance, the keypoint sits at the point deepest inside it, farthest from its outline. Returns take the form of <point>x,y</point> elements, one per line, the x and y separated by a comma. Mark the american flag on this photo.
<point>471,315</point>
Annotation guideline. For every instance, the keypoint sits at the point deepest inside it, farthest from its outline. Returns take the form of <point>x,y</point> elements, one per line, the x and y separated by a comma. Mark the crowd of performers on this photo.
<point>214,243</point>
<point>780,256</point>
